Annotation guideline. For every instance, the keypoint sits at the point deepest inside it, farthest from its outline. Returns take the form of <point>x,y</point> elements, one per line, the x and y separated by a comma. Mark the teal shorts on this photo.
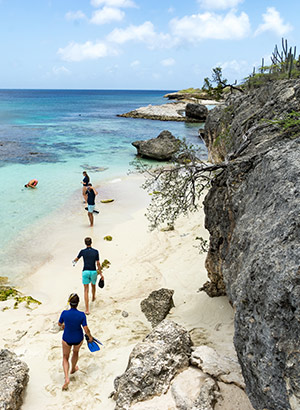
<point>89,276</point>
<point>91,210</point>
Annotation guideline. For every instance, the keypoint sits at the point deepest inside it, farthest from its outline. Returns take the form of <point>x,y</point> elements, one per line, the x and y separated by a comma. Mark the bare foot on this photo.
<point>75,370</point>
<point>87,312</point>
<point>66,385</point>
<point>93,298</point>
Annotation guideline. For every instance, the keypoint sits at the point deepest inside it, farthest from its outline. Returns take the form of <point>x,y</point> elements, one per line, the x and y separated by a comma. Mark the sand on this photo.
<point>141,261</point>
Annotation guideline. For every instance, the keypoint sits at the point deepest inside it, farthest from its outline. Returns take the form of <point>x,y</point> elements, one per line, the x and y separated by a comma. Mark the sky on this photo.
<point>138,44</point>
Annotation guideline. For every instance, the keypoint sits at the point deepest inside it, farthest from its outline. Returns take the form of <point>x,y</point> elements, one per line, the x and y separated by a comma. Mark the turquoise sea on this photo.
<point>53,135</point>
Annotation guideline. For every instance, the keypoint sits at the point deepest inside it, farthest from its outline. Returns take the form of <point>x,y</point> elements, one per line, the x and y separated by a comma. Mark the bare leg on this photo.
<point>93,292</point>
<point>86,299</point>
<point>74,359</point>
<point>66,354</point>
<point>84,194</point>
<point>91,218</point>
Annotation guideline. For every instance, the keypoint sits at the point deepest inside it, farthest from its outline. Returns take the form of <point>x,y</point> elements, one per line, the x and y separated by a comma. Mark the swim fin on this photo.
<point>97,341</point>
<point>95,211</point>
<point>93,346</point>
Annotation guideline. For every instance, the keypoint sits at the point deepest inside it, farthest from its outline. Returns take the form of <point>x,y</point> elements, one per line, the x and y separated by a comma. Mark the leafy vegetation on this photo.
<point>176,189</point>
<point>290,123</point>
<point>284,65</point>
<point>221,84</point>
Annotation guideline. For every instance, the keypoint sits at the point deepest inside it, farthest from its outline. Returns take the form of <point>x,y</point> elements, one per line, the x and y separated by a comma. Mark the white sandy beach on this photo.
<point>141,261</point>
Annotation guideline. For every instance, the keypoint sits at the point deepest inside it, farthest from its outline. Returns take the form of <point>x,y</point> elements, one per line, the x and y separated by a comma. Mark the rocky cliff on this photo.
<point>252,214</point>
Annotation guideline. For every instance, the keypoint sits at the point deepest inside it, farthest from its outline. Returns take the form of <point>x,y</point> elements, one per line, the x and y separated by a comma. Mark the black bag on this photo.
<point>101,283</point>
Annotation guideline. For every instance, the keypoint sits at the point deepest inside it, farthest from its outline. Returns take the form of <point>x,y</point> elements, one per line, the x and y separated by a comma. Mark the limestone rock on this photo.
<point>152,364</point>
<point>165,112</point>
<point>13,380</point>
<point>224,368</point>
<point>252,214</point>
<point>157,305</point>
<point>197,111</point>
<point>161,148</point>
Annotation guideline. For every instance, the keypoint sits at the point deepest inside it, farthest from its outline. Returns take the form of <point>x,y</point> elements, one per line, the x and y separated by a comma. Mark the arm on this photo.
<point>99,268</point>
<point>61,325</point>
<point>77,258</point>
<point>96,193</point>
<point>87,332</point>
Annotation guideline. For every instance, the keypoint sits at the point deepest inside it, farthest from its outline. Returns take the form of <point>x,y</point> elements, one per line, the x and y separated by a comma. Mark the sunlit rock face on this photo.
<point>252,214</point>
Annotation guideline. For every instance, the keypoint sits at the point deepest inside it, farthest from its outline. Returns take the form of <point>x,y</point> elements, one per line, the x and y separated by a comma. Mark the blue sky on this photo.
<point>138,44</point>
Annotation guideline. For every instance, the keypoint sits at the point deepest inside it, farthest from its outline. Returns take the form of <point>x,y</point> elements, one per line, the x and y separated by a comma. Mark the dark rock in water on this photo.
<point>161,148</point>
<point>157,305</point>
<point>13,380</point>
<point>252,214</point>
<point>152,364</point>
<point>196,111</point>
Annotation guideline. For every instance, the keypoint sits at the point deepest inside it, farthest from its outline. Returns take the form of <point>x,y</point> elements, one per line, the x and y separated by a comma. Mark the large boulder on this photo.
<point>13,380</point>
<point>161,148</point>
<point>196,111</point>
<point>152,364</point>
<point>157,305</point>
<point>252,214</point>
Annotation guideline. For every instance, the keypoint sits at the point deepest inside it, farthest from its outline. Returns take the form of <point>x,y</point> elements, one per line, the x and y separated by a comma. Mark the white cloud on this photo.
<point>60,70</point>
<point>135,63</point>
<point>75,15</point>
<point>113,3</point>
<point>85,51</point>
<point>107,15</point>
<point>273,22</point>
<point>219,4</point>
<point>167,62</point>
<point>145,33</point>
<point>211,26</point>
<point>234,65</point>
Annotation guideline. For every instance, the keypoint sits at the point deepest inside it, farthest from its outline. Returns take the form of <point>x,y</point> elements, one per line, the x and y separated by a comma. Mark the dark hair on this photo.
<point>85,174</point>
<point>88,241</point>
<point>73,300</point>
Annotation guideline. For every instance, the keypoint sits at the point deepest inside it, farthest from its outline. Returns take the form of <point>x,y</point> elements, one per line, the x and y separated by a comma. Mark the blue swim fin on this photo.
<point>94,345</point>
<point>97,341</point>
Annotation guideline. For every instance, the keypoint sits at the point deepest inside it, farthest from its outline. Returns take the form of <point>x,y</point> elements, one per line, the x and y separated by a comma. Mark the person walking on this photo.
<point>85,181</point>
<point>72,322</point>
<point>89,272</point>
<point>91,195</point>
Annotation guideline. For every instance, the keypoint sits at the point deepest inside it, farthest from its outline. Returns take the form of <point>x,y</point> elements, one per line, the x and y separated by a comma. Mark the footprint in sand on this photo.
<point>50,388</point>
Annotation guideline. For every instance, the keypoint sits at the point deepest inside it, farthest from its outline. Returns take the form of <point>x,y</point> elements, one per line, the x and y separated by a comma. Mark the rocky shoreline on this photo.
<point>174,111</point>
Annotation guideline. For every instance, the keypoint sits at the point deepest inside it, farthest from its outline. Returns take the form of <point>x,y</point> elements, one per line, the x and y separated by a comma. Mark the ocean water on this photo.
<point>53,135</point>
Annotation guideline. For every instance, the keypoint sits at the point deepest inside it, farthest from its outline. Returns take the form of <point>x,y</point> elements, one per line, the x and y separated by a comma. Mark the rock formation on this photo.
<point>196,111</point>
<point>13,380</point>
<point>157,305</point>
<point>161,148</point>
<point>165,112</point>
<point>152,364</point>
<point>252,214</point>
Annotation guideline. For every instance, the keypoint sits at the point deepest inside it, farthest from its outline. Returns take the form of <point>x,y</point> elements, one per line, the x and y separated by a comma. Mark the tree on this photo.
<point>176,188</point>
<point>221,84</point>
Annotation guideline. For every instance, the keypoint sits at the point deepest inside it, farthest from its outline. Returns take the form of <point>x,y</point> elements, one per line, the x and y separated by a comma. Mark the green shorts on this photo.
<point>89,276</point>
